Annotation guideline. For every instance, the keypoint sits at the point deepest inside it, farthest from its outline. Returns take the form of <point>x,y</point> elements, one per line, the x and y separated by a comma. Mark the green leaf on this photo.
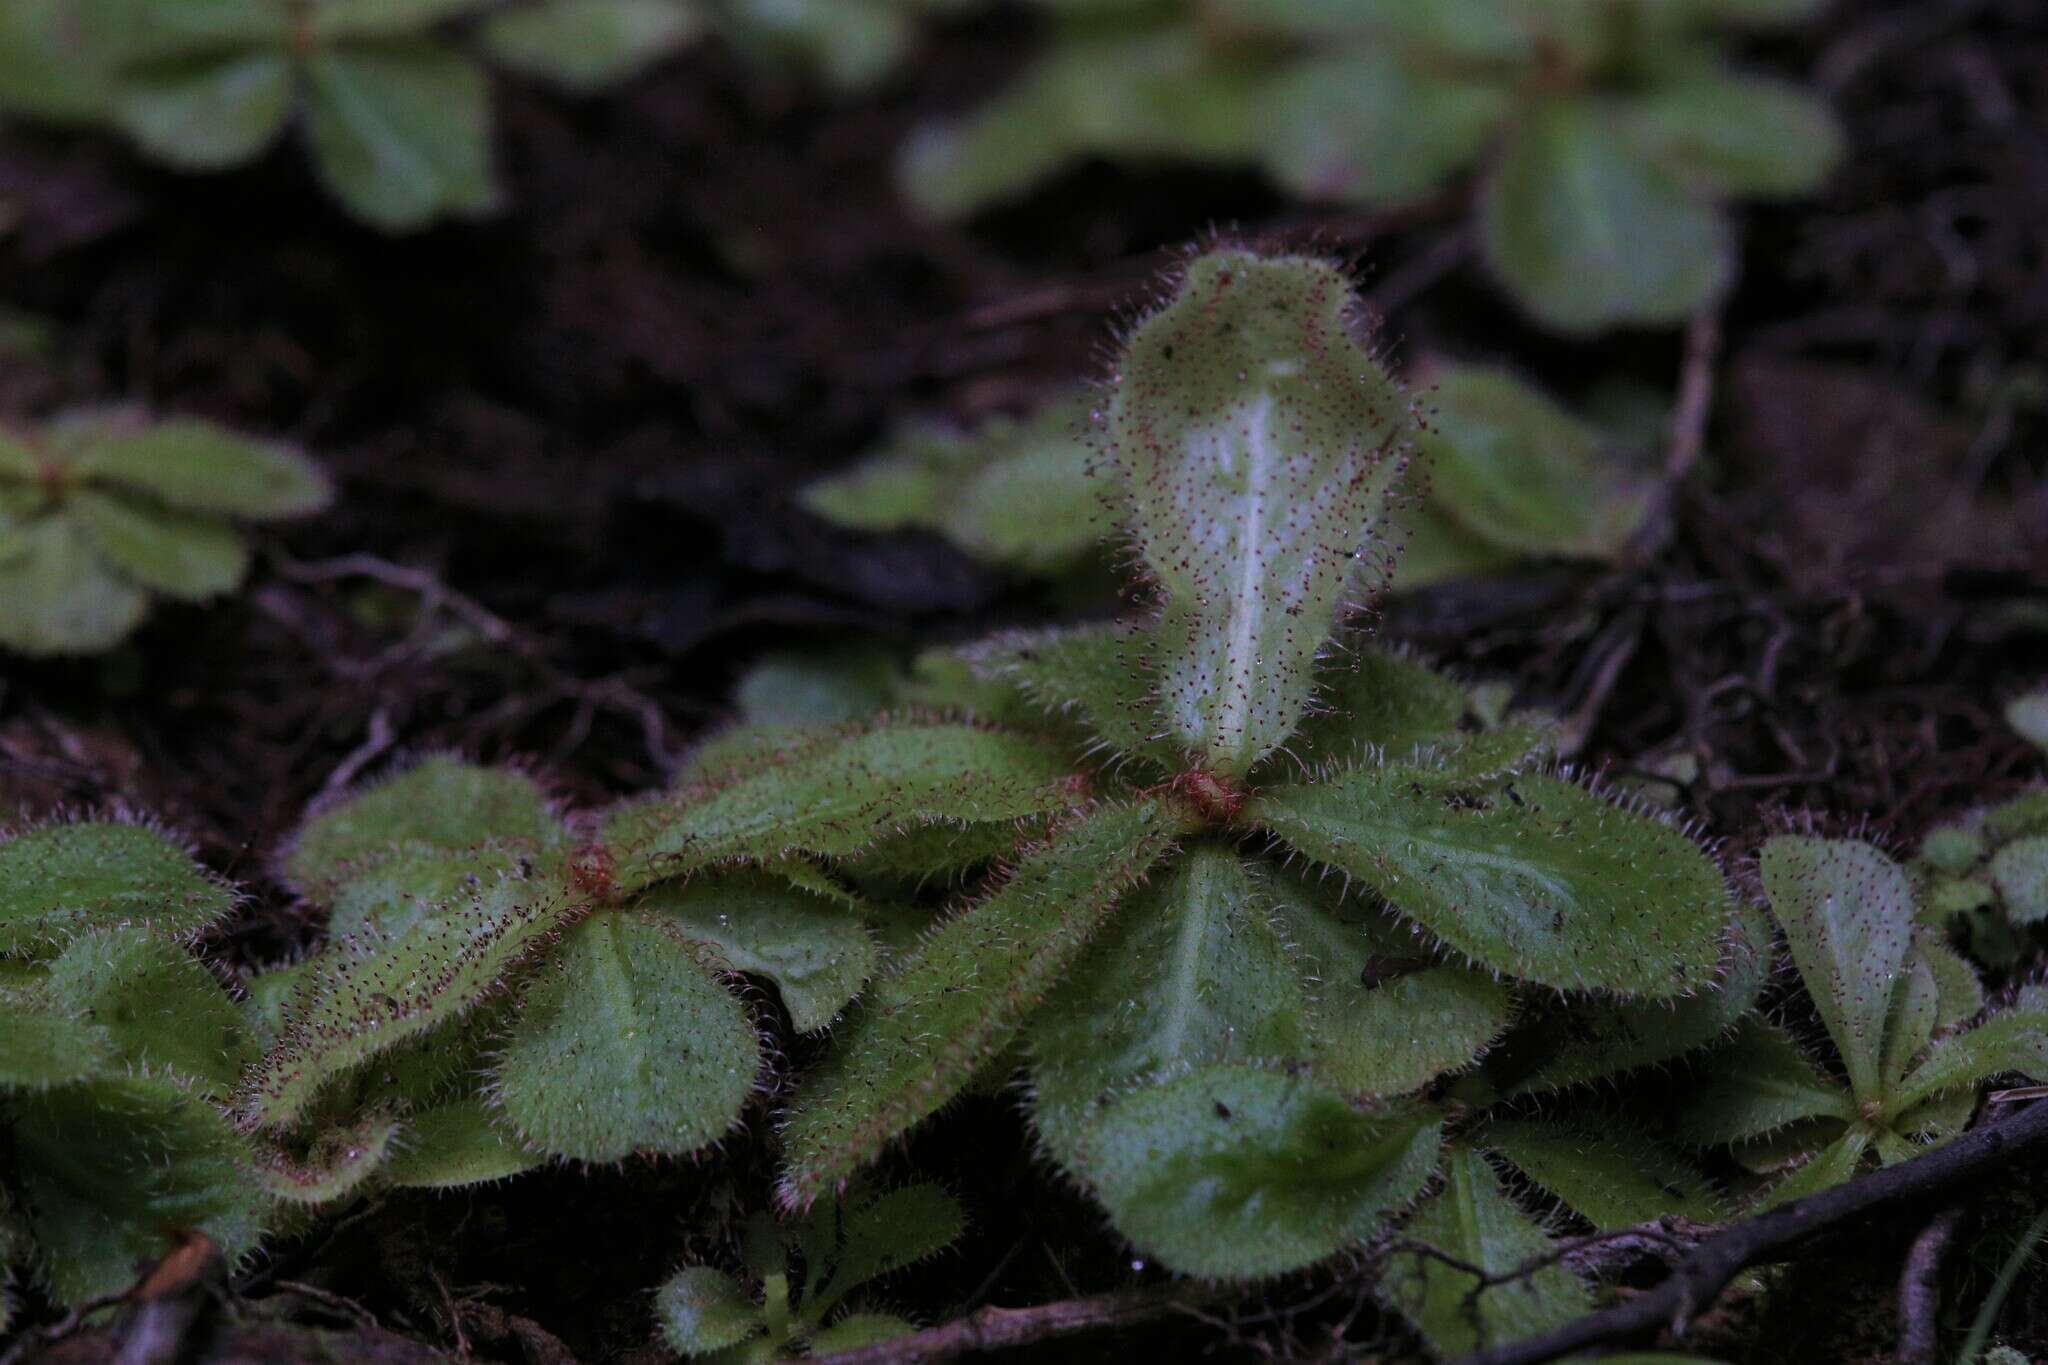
<point>60,880</point>
<point>205,113</point>
<point>1194,971</point>
<point>1100,676</point>
<point>1257,442</point>
<point>52,66</point>
<point>1596,1039</point>
<point>589,44</point>
<point>342,19</point>
<point>57,595</point>
<point>199,467</point>
<point>401,132</point>
<point>1474,1221</point>
<point>1517,469</point>
<point>835,794</point>
<point>1758,1084</point>
<point>827,687</point>
<point>174,553</point>
<point>1835,1165</point>
<point>1847,913</point>
<point>625,1042</point>
<point>366,998</point>
<point>341,1158</point>
<point>1377,701</point>
<point>1384,1023</point>
<point>1158,92</point>
<point>1589,234</point>
<point>852,43</point>
<point>1359,124</point>
<point>2020,872</point>
<point>45,1042</point>
<point>879,1234</point>
<point>1916,1005</point>
<point>1959,995</point>
<point>1237,1172</point>
<point>2028,714</point>
<point>108,1165</point>
<point>860,1329</point>
<point>161,1009</point>
<point>816,953</point>
<point>921,1032</point>
<point>1744,135</point>
<point>702,1310</point>
<point>148,30</point>
<point>2014,1041</point>
<point>1605,1172</point>
<point>1546,881</point>
<point>2025,814</point>
<point>442,804</point>
<point>456,1144</point>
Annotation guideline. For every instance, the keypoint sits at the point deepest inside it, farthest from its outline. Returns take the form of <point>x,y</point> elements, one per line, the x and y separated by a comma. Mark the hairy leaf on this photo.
<point>625,1042</point>
<point>1595,1039</point>
<point>367,998</point>
<point>442,803</point>
<point>61,880</point>
<point>1377,701</point>
<point>702,1310</point>
<point>1834,1165</point>
<point>1610,1175</point>
<point>108,1165</point>
<point>2014,1041</point>
<point>1237,1172</point>
<point>157,1004</point>
<point>1384,1022</point>
<point>875,1234</point>
<point>1101,676</point>
<point>837,793</point>
<point>1194,971</point>
<point>1475,1222</point>
<point>816,953</point>
<point>1756,1085</point>
<point>921,1032</point>
<point>456,1144</point>
<point>45,1042</point>
<point>1257,443</point>
<point>2020,872</point>
<point>1546,881</point>
<point>1847,913</point>
<point>339,1161</point>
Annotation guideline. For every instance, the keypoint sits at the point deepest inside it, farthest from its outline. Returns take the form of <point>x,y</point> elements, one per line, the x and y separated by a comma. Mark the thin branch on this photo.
<point>1701,1277</point>
<point>994,1329</point>
<point>1920,1289</point>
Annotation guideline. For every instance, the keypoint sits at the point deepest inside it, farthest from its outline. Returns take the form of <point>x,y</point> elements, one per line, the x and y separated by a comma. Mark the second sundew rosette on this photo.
<point>1297,882</point>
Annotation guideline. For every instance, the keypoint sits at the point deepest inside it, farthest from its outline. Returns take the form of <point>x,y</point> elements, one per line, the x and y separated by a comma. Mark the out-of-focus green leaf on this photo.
<point>401,132</point>
<point>589,44</point>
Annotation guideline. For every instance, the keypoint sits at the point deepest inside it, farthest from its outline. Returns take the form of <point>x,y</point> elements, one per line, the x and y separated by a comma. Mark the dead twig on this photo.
<point>994,1329</point>
<point>1920,1289</point>
<point>1701,1276</point>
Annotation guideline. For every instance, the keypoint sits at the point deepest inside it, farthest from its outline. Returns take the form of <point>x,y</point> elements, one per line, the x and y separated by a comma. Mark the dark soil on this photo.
<point>588,415</point>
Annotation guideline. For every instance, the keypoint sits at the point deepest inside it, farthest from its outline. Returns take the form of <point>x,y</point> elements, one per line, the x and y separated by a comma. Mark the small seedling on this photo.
<point>1901,1009</point>
<point>1506,475</point>
<point>805,1272</point>
<point>1988,873</point>
<point>117,1048</point>
<point>100,511</point>
<point>1213,1044</point>
<point>1609,133</point>
<point>455,891</point>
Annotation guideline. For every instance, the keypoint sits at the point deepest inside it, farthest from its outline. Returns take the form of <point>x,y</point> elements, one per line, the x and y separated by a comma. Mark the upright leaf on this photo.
<point>921,1033</point>
<point>1257,443</point>
<point>1757,1085</point>
<point>1847,913</point>
<point>158,1005</point>
<point>401,132</point>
